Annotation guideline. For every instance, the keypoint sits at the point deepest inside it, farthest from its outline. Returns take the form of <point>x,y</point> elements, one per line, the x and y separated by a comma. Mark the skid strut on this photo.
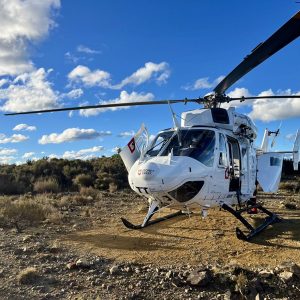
<point>148,223</point>
<point>270,219</point>
<point>153,208</point>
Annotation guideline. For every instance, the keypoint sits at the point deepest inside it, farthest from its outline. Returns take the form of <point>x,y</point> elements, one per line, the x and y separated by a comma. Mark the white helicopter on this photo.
<point>208,160</point>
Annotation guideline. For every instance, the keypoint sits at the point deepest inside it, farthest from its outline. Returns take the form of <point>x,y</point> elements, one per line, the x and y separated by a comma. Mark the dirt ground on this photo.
<point>192,240</point>
<point>84,252</point>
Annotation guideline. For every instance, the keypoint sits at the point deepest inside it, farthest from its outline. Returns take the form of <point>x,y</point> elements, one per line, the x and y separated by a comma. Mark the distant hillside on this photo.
<point>46,175</point>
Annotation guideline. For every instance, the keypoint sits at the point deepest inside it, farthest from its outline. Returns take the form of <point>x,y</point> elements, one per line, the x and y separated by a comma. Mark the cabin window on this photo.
<point>195,143</point>
<point>223,161</point>
<point>275,161</point>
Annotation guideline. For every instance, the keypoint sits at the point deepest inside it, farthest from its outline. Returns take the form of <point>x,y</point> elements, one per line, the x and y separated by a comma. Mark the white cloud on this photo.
<point>24,127</point>
<point>238,93</point>
<point>71,57</point>
<point>72,134</point>
<point>87,50</point>
<point>6,151</point>
<point>15,138</point>
<point>5,160</point>
<point>82,74</point>
<point>291,136</point>
<point>29,91</point>
<point>73,94</point>
<point>33,91</point>
<point>3,81</point>
<point>126,133</point>
<point>160,72</point>
<point>83,153</point>
<point>275,109</point>
<point>124,98</point>
<point>267,109</point>
<point>28,155</point>
<point>116,150</point>
<point>203,83</point>
<point>22,23</point>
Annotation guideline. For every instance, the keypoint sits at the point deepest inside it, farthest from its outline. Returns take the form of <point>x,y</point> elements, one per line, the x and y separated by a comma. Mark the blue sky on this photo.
<point>67,53</point>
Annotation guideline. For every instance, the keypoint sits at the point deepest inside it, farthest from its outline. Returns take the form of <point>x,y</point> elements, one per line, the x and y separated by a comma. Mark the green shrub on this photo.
<point>49,185</point>
<point>9,186</point>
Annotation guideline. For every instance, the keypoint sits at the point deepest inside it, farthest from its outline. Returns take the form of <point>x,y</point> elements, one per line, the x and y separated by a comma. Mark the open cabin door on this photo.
<point>234,164</point>
<point>269,167</point>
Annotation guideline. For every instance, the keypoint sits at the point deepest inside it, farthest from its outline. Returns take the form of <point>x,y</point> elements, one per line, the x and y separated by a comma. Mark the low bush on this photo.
<point>28,276</point>
<point>84,180</point>
<point>89,192</point>
<point>49,185</point>
<point>21,213</point>
<point>81,200</point>
<point>290,186</point>
<point>8,185</point>
<point>113,187</point>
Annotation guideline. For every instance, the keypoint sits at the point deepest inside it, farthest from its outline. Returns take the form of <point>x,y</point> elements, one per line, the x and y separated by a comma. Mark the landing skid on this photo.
<point>148,223</point>
<point>270,219</point>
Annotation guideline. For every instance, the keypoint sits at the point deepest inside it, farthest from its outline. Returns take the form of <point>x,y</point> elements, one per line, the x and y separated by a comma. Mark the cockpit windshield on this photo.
<point>159,142</point>
<point>196,143</point>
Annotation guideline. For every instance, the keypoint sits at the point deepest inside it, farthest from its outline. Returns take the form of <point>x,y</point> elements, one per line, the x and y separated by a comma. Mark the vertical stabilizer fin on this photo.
<point>296,151</point>
<point>136,146</point>
<point>265,141</point>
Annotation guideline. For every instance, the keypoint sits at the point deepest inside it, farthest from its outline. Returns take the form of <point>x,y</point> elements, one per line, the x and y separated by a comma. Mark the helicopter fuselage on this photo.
<point>204,164</point>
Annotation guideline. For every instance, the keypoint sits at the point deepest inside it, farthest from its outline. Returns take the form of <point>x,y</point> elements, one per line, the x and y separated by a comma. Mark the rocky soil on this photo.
<point>89,254</point>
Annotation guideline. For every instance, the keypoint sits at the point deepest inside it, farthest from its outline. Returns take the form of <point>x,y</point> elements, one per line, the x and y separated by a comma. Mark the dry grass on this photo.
<point>80,200</point>
<point>290,186</point>
<point>89,192</point>
<point>28,276</point>
<point>21,212</point>
<point>83,180</point>
<point>241,282</point>
<point>113,187</point>
<point>49,185</point>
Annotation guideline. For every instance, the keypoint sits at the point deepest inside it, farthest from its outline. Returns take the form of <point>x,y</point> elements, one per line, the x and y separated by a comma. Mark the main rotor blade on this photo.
<point>198,100</point>
<point>282,37</point>
<point>262,97</point>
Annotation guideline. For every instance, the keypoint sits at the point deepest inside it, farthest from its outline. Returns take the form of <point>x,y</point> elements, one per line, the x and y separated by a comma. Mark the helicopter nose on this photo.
<point>161,175</point>
<point>148,171</point>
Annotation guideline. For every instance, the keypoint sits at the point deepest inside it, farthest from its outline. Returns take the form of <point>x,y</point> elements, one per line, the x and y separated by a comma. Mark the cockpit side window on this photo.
<point>196,143</point>
<point>159,142</point>
<point>223,161</point>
